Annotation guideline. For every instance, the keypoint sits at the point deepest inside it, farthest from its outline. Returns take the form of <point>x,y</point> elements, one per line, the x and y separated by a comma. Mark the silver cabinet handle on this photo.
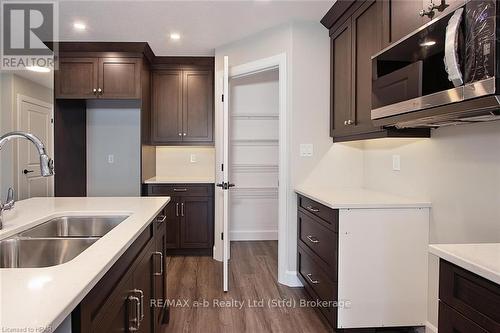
<point>311,280</point>
<point>180,134</point>
<point>141,293</point>
<point>350,122</point>
<point>312,239</point>
<point>184,134</point>
<point>99,90</point>
<point>177,209</point>
<point>135,323</point>
<point>182,209</point>
<point>94,91</point>
<point>161,263</point>
<point>311,209</point>
<point>180,189</point>
<point>161,219</point>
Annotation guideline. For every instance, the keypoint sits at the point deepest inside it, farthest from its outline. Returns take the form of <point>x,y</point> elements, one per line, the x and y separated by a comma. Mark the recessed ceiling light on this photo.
<point>175,36</point>
<point>428,43</point>
<point>79,26</point>
<point>38,69</point>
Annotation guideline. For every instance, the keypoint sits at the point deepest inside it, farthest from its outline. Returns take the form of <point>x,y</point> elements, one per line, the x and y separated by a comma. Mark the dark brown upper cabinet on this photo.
<point>182,106</point>
<point>167,106</point>
<point>76,78</point>
<point>120,78</point>
<point>358,29</point>
<point>409,15</point>
<point>90,78</point>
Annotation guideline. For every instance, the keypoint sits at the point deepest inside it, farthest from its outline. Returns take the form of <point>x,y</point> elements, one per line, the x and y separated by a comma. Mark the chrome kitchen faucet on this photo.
<point>46,165</point>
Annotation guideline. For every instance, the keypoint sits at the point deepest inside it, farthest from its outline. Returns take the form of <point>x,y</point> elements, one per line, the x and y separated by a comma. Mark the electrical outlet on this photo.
<point>193,158</point>
<point>396,163</point>
<point>111,159</point>
<point>306,150</point>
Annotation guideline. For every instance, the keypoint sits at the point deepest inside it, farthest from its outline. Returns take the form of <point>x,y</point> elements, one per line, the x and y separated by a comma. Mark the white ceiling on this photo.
<point>203,25</point>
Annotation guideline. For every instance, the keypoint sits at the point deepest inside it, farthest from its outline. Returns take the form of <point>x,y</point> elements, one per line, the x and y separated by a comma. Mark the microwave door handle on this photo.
<point>450,49</point>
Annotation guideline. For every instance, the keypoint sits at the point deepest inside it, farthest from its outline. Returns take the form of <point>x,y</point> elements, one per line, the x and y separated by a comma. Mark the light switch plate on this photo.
<point>111,159</point>
<point>306,150</point>
<point>193,158</point>
<point>396,163</point>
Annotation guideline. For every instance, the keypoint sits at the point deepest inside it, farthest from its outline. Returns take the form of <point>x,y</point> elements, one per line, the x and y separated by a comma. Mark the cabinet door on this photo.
<point>198,108</point>
<point>76,78</point>
<point>143,284</point>
<point>341,80</point>
<point>370,34</point>
<point>117,314</point>
<point>172,211</point>
<point>405,17</point>
<point>120,78</point>
<point>196,222</point>
<point>160,272</point>
<point>167,107</point>
<point>451,321</point>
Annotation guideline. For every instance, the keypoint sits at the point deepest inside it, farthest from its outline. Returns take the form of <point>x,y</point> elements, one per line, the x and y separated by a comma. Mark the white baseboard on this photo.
<point>429,328</point>
<point>253,235</point>
<point>291,279</point>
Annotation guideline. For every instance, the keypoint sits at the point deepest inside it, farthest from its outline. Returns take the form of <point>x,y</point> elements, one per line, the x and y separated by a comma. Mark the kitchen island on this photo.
<point>42,298</point>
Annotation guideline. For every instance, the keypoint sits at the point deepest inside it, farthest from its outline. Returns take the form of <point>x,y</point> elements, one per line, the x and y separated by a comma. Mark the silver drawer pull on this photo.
<point>312,239</point>
<point>161,219</point>
<point>180,189</point>
<point>177,209</point>
<point>161,263</point>
<point>135,323</point>
<point>311,280</point>
<point>141,307</point>
<point>311,209</point>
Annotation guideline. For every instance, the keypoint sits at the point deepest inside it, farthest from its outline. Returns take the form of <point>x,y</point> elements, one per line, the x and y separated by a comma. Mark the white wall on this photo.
<point>116,132</point>
<point>458,170</point>
<point>10,86</point>
<point>175,162</point>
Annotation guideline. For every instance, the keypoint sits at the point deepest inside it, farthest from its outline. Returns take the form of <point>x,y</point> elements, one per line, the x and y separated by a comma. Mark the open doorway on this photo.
<point>254,145</point>
<point>254,157</point>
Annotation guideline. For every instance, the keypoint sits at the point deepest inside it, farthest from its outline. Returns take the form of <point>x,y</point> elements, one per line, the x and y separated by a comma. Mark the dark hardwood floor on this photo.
<point>253,277</point>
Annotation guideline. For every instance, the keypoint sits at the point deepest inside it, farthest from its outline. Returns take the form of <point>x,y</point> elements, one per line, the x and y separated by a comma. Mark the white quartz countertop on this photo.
<point>180,180</point>
<point>352,198</point>
<point>481,259</point>
<point>41,298</point>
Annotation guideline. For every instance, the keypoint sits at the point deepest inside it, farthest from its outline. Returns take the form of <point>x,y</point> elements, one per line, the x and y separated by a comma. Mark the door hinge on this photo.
<point>222,236</point>
<point>223,98</point>
<point>222,167</point>
<point>51,120</point>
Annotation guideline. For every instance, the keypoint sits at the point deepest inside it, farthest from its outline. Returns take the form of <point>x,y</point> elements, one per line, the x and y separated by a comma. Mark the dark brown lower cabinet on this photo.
<point>468,303</point>
<point>317,255</point>
<point>189,217</point>
<point>129,297</point>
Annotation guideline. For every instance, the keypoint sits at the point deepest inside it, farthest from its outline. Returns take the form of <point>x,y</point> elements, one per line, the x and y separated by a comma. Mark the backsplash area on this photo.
<point>185,162</point>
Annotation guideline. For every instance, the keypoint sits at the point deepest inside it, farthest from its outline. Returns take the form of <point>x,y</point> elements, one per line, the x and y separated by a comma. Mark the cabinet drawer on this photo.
<point>315,277</point>
<point>451,321</point>
<point>330,216</point>
<point>319,239</point>
<point>181,190</point>
<point>471,295</point>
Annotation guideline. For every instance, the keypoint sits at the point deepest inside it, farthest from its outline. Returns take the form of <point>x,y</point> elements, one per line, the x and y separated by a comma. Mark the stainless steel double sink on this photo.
<point>56,241</point>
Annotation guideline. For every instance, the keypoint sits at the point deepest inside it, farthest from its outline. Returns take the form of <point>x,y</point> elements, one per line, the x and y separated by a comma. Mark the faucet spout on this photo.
<point>46,163</point>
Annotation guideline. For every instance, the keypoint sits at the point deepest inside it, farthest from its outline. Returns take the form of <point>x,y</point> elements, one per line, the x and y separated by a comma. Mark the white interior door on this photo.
<point>225,183</point>
<point>35,117</point>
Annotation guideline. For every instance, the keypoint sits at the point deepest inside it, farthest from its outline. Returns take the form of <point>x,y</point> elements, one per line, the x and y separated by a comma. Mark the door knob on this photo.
<point>27,171</point>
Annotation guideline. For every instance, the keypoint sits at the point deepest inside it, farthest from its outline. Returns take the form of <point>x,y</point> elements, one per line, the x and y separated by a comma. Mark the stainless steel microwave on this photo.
<point>446,72</point>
